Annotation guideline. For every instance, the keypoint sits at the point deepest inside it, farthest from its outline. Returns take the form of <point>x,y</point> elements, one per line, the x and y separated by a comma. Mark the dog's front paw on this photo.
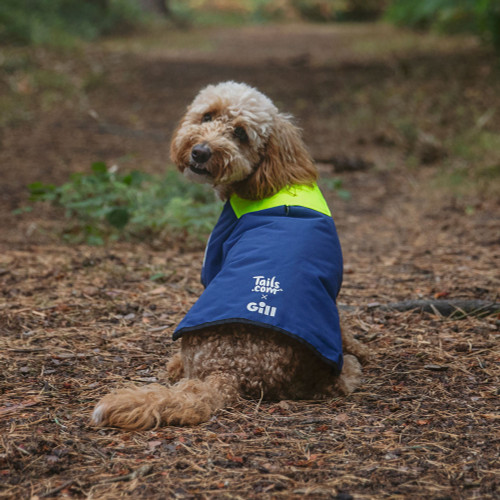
<point>361,352</point>
<point>175,368</point>
<point>350,378</point>
<point>352,346</point>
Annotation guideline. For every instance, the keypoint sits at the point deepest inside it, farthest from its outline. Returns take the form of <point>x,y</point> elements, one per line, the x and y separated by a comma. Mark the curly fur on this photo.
<point>246,147</point>
<point>272,158</point>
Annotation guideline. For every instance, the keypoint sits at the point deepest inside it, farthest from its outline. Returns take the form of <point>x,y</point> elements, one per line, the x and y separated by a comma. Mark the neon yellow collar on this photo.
<point>294,196</point>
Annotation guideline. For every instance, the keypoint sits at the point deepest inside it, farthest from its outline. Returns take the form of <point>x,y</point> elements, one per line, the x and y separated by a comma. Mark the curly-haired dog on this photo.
<point>267,323</point>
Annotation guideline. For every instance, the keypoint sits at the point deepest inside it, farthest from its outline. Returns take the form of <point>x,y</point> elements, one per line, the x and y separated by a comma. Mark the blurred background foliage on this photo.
<point>60,22</point>
<point>452,124</point>
<point>481,17</point>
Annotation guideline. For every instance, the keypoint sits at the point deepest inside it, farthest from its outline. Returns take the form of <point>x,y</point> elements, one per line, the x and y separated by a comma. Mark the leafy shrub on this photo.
<point>58,22</point>
<point>234,12</point>
<point>316,10</point>
<point>106,204</point>
<point>338,10</point>
<point>336,185</point>
<point>452,16</point>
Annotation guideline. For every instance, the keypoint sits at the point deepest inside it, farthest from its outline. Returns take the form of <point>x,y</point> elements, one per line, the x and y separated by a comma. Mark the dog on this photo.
<point>267,324</point>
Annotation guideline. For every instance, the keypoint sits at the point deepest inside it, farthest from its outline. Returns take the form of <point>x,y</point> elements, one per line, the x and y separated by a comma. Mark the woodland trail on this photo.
<point>380,110</point>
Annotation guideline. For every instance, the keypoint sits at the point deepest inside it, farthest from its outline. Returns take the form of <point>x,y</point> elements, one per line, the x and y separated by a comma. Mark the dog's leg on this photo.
<point>189,402</point>
<point>350,378</point>
<point>175,368</point>
<point>352,346</point>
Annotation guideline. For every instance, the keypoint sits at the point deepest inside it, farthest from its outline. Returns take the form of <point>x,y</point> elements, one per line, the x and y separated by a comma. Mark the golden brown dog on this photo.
<point>234,138</point>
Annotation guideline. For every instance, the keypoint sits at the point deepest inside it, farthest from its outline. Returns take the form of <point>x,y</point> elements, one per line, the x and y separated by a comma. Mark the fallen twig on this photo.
<point>448,308</point>
<point>6,410</point>
<point>140,472</point>
<point>459,308</point>
<point>55,491</point>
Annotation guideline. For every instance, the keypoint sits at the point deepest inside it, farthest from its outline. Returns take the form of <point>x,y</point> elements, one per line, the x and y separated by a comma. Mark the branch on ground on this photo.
<point>448,308</point>
<point>457,309</point>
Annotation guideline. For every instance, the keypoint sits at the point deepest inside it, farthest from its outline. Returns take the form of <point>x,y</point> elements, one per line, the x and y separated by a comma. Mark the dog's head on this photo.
<point>233,137</point>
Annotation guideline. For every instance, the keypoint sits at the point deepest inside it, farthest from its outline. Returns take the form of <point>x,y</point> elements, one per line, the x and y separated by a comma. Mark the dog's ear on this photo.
<point>285,162</point>
<point>175,146</point>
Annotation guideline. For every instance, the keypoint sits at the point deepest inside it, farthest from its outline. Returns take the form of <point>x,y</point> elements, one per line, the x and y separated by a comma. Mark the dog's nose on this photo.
<point>201,153</point>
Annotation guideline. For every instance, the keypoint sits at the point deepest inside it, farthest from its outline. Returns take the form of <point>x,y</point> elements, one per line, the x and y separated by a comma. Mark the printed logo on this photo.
<point>261,308</point>
<point>266,285</point>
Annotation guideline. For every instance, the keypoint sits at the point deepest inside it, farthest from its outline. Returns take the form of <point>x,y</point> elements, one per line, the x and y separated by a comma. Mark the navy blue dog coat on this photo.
<point>275,263</point>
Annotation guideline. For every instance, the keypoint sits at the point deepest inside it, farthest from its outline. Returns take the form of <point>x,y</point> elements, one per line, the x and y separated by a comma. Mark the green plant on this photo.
<point>335,184</point>
<point>59,22</point>
<point>481,17</point>
<point>338,10</point>
<point>317,10</point>
<point>106,204</point>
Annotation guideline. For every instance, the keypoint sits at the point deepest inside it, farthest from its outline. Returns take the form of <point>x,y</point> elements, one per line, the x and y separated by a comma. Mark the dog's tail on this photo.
<point>189,402</point>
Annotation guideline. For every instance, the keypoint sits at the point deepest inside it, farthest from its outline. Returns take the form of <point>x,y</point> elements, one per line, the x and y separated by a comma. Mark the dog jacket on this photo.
<point>275,263</point>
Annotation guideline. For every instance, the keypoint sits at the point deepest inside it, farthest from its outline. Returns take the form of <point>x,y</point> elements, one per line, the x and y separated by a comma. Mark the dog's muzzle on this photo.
<point>200,154</point>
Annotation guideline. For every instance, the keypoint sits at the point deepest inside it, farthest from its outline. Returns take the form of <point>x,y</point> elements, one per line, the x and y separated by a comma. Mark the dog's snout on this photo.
<point>201,153</point>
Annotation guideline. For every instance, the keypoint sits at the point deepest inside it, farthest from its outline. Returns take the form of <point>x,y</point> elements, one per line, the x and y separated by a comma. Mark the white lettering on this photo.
<point>252,306</point>
<point>263,284</point>
<point>261,308</point>
<point>266,285</point>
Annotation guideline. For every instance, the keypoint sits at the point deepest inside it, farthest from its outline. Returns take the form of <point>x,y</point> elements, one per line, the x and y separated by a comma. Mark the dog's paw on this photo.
<point>350,345</point>
<point>362,353</point>
<point>175,368</point>
<point>350,378</point>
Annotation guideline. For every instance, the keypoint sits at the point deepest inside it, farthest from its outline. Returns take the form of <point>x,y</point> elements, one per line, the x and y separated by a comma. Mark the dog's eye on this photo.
<point>207,117</point>
<point>240,133</point>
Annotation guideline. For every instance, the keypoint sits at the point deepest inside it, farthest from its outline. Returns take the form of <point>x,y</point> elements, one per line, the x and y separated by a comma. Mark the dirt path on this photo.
<point>380,109</point>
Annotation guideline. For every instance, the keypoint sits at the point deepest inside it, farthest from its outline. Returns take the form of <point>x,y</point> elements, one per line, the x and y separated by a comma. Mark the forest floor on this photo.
<point>411,125</point>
